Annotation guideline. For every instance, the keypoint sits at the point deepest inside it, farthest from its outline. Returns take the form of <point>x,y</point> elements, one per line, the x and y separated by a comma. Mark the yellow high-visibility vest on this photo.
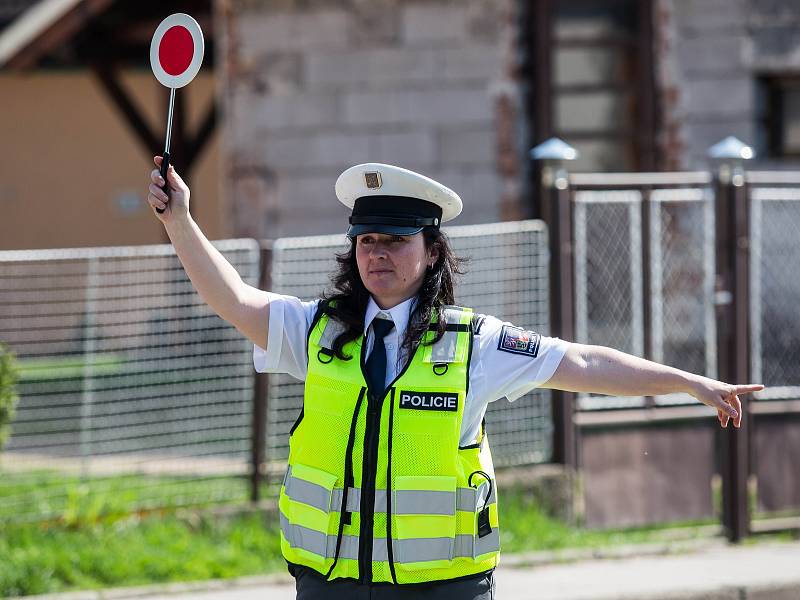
<point>378,489</point>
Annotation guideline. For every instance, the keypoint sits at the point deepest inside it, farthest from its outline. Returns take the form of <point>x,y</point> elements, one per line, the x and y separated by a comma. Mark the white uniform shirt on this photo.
<point>494,372</point>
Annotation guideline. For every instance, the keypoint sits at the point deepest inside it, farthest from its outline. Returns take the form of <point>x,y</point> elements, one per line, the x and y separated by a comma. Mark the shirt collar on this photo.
<point>399,315</point>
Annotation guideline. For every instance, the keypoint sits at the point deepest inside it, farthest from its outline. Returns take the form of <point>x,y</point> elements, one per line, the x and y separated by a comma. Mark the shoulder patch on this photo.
<point>518,341</point>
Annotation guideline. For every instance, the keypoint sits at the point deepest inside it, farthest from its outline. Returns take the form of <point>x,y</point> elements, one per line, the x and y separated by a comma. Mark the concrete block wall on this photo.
<point>712,54</point>
<point>313,87</point>
<point>712,91</point>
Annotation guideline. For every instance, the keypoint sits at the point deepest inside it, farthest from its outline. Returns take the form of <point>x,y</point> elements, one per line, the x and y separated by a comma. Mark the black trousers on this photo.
<point>311,585</point>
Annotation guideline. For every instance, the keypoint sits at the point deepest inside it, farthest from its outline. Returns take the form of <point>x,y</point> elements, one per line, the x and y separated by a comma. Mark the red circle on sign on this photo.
<point>176,50</point>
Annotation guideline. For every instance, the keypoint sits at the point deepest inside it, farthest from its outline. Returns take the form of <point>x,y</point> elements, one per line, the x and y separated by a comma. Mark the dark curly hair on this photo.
<point>349,298</point>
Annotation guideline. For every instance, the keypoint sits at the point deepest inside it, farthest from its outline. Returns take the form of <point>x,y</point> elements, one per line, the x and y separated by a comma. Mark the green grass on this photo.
<point>50,495</point>
<point>95,545</point>
<point>133,551</point>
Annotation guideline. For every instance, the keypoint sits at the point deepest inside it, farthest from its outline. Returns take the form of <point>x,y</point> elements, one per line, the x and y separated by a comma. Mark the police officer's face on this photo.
<point>392,267</point>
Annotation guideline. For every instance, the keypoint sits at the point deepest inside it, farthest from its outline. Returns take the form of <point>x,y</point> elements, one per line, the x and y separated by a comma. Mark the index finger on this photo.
<point>745,389</point>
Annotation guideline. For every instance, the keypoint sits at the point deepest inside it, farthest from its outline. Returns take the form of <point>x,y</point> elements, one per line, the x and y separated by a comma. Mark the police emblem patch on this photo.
<point>519,341</point>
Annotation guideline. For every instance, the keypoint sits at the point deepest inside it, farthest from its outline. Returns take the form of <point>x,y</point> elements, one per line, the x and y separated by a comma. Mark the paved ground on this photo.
<point>715,571</point>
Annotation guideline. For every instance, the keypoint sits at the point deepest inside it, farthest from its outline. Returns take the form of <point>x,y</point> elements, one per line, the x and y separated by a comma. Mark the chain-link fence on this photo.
<point>614,260</point>
<point>608,277</point>
<point>133,394</point>
<point>775,290</point>
<point>507,276</point>
<point>681,292</point>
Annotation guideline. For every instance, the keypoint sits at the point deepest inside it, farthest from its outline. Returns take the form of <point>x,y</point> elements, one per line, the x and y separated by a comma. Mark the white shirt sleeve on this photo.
<point>510,372</point>
<point>510,362</point>
<point>286,351</point>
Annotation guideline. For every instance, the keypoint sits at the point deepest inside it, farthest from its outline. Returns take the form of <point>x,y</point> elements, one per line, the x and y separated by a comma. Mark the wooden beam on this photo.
<point>61,29</point>
<point>141,32</point>
<point>197,142</point>
<point>645,416</point>
<point>141,129</point>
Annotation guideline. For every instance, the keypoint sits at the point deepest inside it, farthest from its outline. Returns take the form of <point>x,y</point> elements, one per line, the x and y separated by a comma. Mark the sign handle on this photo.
<point>163,173</point>
<point>165,161</point>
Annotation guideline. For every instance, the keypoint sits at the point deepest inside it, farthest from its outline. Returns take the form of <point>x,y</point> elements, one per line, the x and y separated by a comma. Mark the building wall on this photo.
<point>713,52</point>
<point>313,88</point>
<point>71,172</point>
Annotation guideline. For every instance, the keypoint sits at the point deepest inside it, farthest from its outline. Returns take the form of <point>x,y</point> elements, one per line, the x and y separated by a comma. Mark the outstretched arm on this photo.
<point>214,278</point>
<point>601,370</point>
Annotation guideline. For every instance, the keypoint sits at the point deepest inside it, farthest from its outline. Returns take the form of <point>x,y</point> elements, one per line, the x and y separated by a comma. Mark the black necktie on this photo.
<point>376,363</point>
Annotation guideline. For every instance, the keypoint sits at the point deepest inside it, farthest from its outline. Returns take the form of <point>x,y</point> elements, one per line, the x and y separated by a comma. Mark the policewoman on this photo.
<point>390,489</point>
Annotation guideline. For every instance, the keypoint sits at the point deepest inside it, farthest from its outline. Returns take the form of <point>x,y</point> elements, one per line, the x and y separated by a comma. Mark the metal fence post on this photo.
<point>646,209</point>
<point>557,213</point>
<point>260,387</point>
<point>732,311</point>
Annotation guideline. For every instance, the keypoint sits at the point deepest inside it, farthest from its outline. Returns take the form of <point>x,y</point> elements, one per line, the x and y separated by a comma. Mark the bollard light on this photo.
<point>554,153</point>
<point>728,155</point>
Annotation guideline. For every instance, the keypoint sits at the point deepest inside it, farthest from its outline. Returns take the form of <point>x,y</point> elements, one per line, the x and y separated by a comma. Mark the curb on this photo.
<point>746,592</point>
<point>569,555</point>
<point>167,589</point>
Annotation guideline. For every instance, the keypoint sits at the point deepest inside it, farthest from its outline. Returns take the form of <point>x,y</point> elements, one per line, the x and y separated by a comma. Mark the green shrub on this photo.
<point>8,391</point>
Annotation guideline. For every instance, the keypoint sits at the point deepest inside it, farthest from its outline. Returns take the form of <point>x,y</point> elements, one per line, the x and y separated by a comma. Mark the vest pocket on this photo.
<point>309,491</point>
<point>424,510</point>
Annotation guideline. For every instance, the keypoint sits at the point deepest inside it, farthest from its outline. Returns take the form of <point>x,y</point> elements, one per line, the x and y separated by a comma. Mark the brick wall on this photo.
<point>312,87</point>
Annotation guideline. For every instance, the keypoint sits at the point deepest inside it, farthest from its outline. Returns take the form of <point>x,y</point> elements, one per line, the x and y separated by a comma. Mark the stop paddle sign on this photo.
<point>176,55</point>
<point>176,51</point>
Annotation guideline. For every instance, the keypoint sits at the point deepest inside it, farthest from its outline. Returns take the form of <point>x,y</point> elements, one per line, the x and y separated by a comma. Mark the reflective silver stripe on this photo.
<point>406,502</point>
<point>465,499</point>
<point>320,544</point>
<point>472,500</point>
<point>427,549</point>
<point>422,549</point>
<point>333,327</point>
<point>403,551</point>
<point>309,493</point>
<point>468,545</point>
<point>489,543</point>
<point>354,500</point>
<point>419,502</point>
<point>444,351</point>
<point>305,538</point>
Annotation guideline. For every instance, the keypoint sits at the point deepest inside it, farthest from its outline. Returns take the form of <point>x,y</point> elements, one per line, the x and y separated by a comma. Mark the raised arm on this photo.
<point>601,370</point>
<point>218,283</point>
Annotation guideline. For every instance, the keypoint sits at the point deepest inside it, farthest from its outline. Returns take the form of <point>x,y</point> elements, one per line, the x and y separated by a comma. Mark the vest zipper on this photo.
<point>369,467</point>
<point>368,471</point>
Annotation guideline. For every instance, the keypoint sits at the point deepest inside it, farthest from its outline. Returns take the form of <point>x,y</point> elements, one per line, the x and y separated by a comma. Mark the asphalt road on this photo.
<point>762,571</point>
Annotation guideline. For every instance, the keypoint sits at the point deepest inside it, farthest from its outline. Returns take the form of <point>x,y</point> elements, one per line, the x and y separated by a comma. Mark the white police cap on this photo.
<point>389,199</point>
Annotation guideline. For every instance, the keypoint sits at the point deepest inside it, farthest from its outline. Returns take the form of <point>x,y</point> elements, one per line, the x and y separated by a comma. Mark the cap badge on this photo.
<point>373,180</point>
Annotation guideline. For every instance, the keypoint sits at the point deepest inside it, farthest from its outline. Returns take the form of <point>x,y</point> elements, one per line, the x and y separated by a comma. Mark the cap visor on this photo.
<point>356,230</point>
